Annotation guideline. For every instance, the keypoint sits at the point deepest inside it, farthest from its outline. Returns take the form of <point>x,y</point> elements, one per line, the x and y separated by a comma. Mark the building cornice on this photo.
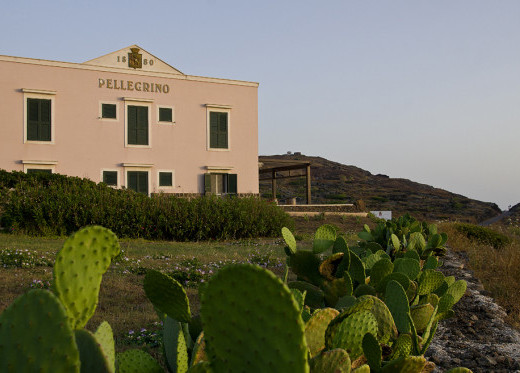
<point>85,66</point>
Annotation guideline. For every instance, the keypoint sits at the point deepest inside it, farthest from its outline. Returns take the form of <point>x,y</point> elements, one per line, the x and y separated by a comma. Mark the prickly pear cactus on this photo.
<point>79,266</point>
<point>91,353</point>
<point>105,338</point>
<point>289,239</point>
<point>35,335</point>
<point>337,361</point>
<point>167,295</point>
<point>386,328</point>
<point>429,280</point>
<point>397,302</point>
<point>350,332</point>
<point>324,238</point>
<point>315,329</point>
<point>372,352</point>
<point>137,361</point>
<point>175,346</point>
<point>251,320</point>
<point>410,364</point>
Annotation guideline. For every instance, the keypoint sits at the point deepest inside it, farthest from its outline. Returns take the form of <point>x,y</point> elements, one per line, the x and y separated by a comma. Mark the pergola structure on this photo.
<point>273,168</point>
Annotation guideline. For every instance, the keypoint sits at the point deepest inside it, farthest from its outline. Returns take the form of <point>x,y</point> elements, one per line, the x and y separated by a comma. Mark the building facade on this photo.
<point>130,120</point>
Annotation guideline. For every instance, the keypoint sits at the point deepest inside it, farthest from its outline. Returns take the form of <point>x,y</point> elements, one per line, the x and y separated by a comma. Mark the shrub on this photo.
<point>483,235</point>
<point>49,205</point>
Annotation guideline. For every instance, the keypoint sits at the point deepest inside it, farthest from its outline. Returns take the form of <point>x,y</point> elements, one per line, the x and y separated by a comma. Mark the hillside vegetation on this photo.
<point>334,182</point>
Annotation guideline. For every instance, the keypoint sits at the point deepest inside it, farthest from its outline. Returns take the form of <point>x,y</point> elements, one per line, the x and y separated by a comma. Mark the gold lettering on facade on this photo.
<point>129,85</point>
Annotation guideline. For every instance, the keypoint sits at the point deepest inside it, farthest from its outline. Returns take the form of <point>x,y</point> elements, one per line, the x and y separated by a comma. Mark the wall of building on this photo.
<point>84,144</point>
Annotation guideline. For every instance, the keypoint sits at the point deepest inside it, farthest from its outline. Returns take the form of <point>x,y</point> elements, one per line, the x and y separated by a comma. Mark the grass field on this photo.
<point>26,262</point>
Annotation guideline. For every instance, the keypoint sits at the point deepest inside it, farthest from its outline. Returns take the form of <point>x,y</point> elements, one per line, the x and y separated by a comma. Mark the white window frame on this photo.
<point>221,109</point>
<point>40,165</point>
<point>159,187</point>
<point>118,177</point>
<point>130,101</point>
<point>138,167</point>
<point>100,117</point>
<point>165,107</point>
<point>42,95</point>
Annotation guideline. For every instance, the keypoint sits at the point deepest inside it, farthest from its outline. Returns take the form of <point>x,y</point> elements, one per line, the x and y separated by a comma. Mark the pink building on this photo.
<point>130,120</point>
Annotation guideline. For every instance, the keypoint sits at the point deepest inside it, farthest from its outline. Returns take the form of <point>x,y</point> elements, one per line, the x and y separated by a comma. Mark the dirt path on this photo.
<point>503,215</point>
<point>477,337</point>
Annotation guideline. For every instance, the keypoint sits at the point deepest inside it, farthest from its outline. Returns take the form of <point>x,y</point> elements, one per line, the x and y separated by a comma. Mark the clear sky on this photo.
<point>423,90</point>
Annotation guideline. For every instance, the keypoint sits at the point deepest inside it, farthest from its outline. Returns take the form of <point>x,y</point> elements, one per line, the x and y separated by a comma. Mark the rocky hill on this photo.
<point>334,182</point>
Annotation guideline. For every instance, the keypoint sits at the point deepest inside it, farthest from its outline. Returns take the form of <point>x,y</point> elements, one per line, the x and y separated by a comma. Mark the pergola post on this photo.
<point>273,181</point>
<point>308,174</point>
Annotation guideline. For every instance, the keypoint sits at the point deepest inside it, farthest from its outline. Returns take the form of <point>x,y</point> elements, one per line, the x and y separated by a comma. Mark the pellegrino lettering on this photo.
<point>128,85</point>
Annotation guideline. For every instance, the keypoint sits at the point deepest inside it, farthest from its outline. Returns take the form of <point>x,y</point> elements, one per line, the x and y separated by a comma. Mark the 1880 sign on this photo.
<point>135,59</point>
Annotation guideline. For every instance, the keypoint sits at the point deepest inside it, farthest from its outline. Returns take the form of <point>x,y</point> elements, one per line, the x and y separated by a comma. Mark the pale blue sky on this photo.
<point>424,90</point>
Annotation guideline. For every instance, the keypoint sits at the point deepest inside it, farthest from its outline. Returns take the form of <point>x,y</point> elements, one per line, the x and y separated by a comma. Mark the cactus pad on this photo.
<point>421,316</point>
<point>452,295</point>
<point>330,265</point>
<point>202,367</point>
<point>91,354</point>
<point>289,239</point>
<point>105,338</point>
<point>350,332</point>
<point>386,328</point>
<point>137,361</point>
<point>167,295</point>
<point>408,266</point>
<point>357,269</point>
<point>313,296</point>
<point>324,238</point>
<point>299,297</point>
<point>340,245</point>
<point>35,335</point>
<point>305,266</point>
<point>337,361</point>
<point>410,364</point>
<point>429,280</point>
<point>199,350</point>
<point>251,320</point>
<point>365,368</point>
<point>459,370</point>
<point>372,352</point>
<point>336,289</point>
<point>79,266</point>
<point>380,270</point>
<point>175,346</point>
<point>397,302</point>
<point>315,329</point>
<point>401,347</point>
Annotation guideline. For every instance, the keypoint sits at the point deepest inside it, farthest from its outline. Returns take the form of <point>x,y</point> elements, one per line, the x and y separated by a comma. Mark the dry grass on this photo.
<point>499,270</point>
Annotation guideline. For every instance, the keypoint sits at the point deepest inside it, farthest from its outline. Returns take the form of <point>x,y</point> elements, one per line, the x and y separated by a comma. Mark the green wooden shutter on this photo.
<point>143,182</point>
<point>132,125</point>
<point>207,183</point>
<point>110,177</point>
<point>142,125</point>
<point>232,183</point>
<point>165,179</point>
<point>213,129</point>
<point>45,120</point>
<point>165,115</point>
<point>39,171</point>
<point>132,180</point>
<point>108,111</point>
<point>223,131</point>
<point>33,116</point>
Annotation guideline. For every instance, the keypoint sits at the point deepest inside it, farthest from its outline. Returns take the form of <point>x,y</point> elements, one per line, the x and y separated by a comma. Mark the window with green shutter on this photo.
<point>165,179</point>
<point>165,114</point>
<point>138,125</point>
<point>38,119</point>
<point>110,178</point>
<point>220,184</point>
<point>138,181</point>
<point>218,130</point>
<point>109,111</point>
<point>39,171</point>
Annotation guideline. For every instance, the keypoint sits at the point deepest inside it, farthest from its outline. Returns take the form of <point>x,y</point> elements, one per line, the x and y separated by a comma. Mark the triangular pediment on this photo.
<point>133,58</point>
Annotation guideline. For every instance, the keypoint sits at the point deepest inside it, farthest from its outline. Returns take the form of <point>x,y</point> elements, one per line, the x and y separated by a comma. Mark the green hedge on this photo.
<point>483,235</point>
<point>49,205</point>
